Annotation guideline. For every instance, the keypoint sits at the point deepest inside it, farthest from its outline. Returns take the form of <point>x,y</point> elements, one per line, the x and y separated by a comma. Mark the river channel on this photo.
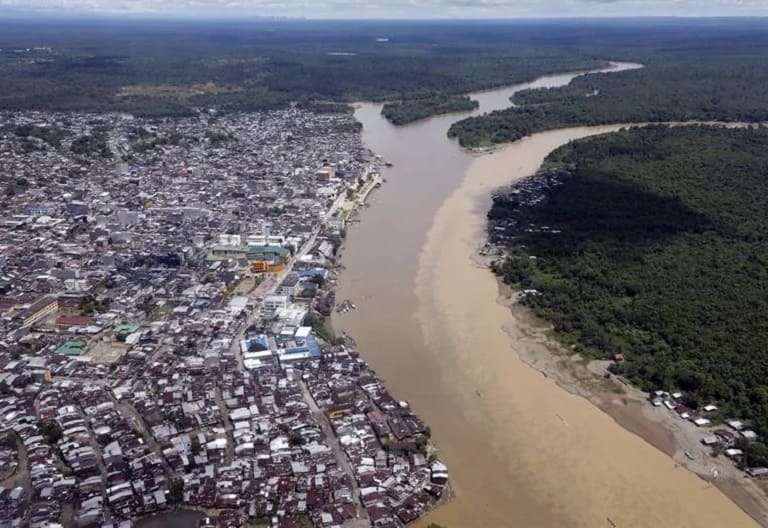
<point>522,451</point>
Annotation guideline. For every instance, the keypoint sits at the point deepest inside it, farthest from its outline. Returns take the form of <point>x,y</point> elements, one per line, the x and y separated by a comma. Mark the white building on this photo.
<point>273,303</point>
<point>237,305</point>
<point>226,239</point>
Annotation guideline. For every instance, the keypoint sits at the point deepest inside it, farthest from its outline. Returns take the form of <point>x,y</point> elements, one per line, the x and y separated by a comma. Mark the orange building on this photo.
<point>265,266</point>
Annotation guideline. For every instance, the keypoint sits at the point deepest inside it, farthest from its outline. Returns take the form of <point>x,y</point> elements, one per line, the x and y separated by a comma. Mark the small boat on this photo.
<point>389,164</point>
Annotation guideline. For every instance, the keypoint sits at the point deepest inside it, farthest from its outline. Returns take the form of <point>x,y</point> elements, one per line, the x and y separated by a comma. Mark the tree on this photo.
<point>317,322</point>
<point>195,445</point>
<point>51,431</point>
<point>421,443</point>
<point>655,245</point>
<point>176,490</point>
<point>295,438</point>
<point>755,453</point>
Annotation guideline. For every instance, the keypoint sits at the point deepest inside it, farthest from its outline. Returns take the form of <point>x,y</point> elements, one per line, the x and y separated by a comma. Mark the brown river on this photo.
<point>522,451</point>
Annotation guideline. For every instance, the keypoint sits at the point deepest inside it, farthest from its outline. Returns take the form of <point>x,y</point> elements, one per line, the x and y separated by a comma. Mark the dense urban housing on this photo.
<point>163,293</point>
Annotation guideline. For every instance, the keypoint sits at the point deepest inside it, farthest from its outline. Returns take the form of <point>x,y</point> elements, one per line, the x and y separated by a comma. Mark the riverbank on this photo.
<point>544,439</point>
<point>629,407</point>
<point>359,198</point>
<point>521,450</point>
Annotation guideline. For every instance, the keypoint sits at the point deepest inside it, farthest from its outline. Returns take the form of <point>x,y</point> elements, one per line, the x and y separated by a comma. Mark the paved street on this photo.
<point>338,452</point>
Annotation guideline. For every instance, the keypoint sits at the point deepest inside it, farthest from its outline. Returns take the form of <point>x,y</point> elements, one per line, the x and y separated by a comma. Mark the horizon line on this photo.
<point>23,13</point>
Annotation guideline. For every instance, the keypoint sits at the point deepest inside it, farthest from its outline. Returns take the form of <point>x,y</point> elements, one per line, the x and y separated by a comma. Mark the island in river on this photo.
<point>409,110</point>
<point>523,452</point>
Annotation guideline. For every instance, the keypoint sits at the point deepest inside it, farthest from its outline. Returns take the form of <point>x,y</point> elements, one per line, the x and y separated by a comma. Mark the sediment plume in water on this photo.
<point>521,450</point>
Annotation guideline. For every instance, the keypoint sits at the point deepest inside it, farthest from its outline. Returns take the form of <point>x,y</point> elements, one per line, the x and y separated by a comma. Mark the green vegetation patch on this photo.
<point>319,326</point>
<point>659,253</point>
<point>178,68</point>
<point>409,110</point>
<point>711,89</point>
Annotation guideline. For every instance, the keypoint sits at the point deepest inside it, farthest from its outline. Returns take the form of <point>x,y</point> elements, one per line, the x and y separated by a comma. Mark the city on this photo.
<point>403,264</point>
<point>165,345</point>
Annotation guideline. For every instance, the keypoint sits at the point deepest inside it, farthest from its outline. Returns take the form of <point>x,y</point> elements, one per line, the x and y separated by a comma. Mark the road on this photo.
<point>229,454</point>
<point>269,287</point>
<point>94,444</point>
<point>129,412</point>
<point>338,452</point>
<point>20,476</point>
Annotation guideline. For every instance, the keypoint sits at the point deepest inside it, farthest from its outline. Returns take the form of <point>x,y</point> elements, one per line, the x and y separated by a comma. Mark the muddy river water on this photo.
<point>522,451</point>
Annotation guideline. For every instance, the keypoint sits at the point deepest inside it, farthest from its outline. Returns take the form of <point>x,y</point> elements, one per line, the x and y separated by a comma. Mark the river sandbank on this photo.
<point>557,459</point>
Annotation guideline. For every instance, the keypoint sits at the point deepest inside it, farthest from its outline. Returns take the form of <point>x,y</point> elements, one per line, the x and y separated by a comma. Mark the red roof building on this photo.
<point>65,321</point>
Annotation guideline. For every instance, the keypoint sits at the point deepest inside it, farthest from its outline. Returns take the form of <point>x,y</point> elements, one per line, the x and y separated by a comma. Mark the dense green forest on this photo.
<point>661,256</point>
<point>164,67</point>
<point>167,67</point>
<point>409,110</point>
<point>721,88</point>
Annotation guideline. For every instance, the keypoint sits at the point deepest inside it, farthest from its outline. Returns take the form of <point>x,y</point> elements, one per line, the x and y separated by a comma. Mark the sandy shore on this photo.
<point>627,405</point>
<point>563,461</point>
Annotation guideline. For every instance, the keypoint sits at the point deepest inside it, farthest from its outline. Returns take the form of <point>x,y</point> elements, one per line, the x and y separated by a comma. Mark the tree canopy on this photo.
<point>655,248</point>
<point>409,110</point>
<point>710,88</point>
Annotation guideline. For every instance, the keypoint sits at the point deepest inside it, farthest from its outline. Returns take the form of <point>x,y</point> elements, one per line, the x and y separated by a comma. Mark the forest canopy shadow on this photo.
<point>599,208</point>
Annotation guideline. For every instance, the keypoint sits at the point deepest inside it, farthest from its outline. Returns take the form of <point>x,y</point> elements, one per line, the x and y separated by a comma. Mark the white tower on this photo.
<point>265,228</point>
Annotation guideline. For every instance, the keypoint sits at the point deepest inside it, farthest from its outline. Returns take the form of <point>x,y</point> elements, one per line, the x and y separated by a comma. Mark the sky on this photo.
<point>400,8</point>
